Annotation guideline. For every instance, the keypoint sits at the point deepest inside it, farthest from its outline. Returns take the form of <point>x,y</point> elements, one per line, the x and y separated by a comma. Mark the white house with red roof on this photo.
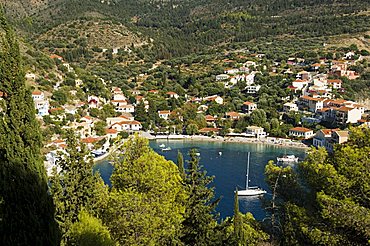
<point>172,94</point>
<point>301,132</point>
<point>249,107</point>
<point>311,103</point>
<point>334,83</point>
<point>232,115</point>
<point>300,84</point>
<point>215,98</point>
<point>127,125</point>
<point>164,114</point>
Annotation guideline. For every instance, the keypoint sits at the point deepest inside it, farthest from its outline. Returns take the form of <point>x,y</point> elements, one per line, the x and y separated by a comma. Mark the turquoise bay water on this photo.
<point>229,169</point>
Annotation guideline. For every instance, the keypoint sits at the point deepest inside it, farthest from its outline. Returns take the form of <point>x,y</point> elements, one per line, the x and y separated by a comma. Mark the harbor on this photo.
<point>226,161</point>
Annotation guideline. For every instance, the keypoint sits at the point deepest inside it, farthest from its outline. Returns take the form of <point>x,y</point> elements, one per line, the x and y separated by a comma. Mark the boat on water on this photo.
<point>197,154</point>
<point>220,153</point>
<point>253,190</point>
<point>288,159</point>
<point>166,149</point>
<point>162,146</point>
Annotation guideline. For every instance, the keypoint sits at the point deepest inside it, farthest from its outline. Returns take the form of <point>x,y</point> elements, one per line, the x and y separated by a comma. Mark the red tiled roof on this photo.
<point>110,131</point>
<point>54,56</point>
<point>248,103</point>
<point>171,93</point>
<point>38,93</point>
<point>210,118</point>
<point>90,140</point>
<point>233,114</point>
<point>164,112</point>
<point>300,129</point>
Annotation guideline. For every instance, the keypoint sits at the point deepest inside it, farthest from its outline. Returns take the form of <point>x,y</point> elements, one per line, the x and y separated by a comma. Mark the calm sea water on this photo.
<point>229,169</point>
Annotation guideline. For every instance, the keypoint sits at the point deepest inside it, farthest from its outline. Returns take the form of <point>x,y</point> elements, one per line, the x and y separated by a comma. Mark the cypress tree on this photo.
<point>180,164</point>
<point>200,217</point>
<point>27,208</point>
<point>238,223</point>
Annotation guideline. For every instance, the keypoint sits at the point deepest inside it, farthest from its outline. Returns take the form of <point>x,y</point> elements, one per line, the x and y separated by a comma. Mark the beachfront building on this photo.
<point>127,125</point>
<point>322,137</point>
<point>301,132</point>
<point>255,131</point>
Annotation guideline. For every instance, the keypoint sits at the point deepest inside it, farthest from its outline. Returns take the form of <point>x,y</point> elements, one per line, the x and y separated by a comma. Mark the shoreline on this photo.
<point>278,142</point>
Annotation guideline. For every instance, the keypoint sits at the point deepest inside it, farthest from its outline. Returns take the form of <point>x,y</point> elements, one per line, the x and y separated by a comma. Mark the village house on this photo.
<point>210,119</point>
<point>41,105</point>
<point>164,114</point>
<point>38,95</point>
<point>209,130</point>
<point>30,76</point>
<point>252,89</point>
<point>124,117</point>
<point>290,106</point>
<point>249,107</point>
<point>334,83</point>
<point>172,94</point>
<point>345,115</point>
<point>91,141</point>
<point>125,108</point>
<point>322,137</point>
<point>222,77</point>
<point>70,109</point>
<point>304,75</point>
<point>310,103</point>
<point>111,133</point>
<point>300,84</point>
<point>337,137</point>
<point>93,101</point>
<point>301,132</point>
<point>153,91</point>
<point>215,98</point>
<point>118,103</point>
<point>231,70</point>
<point>130,125</point>
<point>255,131</point>
<point>232,115</point>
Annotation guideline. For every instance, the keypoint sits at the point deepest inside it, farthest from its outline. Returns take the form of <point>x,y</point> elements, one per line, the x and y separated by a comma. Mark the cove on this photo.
<point>229,169</point>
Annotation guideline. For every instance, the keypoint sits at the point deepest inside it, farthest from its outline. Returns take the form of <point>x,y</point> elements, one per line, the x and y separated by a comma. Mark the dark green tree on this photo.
<point>75,187</point>
<point>180,164</point>
<point>27,209</point>
<point>200,216</point>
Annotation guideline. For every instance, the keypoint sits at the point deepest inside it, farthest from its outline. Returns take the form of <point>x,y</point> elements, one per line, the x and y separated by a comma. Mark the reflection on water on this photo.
<point>229,169</point>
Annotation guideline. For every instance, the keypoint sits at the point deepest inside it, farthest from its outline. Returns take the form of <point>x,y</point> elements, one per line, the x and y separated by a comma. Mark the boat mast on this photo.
<point>246,182</point>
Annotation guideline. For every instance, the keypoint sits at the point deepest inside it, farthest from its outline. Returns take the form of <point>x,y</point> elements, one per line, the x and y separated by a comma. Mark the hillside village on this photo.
<point>311,94</point>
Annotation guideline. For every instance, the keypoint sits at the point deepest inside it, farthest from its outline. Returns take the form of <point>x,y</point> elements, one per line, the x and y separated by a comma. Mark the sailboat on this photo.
<point>250,191</point>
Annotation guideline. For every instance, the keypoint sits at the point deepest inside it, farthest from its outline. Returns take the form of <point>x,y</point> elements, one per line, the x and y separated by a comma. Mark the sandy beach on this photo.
<point>287,143</point>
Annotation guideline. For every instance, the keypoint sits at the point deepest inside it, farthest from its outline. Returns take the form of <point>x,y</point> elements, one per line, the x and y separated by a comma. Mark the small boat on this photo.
<point>220,153</point>
<point>166,149</point>
<point>197,154</point>
<point>162,146</point>
<point>287,158</point>
<point>250,191</point>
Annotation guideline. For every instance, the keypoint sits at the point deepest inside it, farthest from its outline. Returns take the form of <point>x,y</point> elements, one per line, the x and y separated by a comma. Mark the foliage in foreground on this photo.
<point>328,203</point>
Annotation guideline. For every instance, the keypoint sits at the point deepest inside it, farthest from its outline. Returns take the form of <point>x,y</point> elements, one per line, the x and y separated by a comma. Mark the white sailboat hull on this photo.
<point>251,192</point>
